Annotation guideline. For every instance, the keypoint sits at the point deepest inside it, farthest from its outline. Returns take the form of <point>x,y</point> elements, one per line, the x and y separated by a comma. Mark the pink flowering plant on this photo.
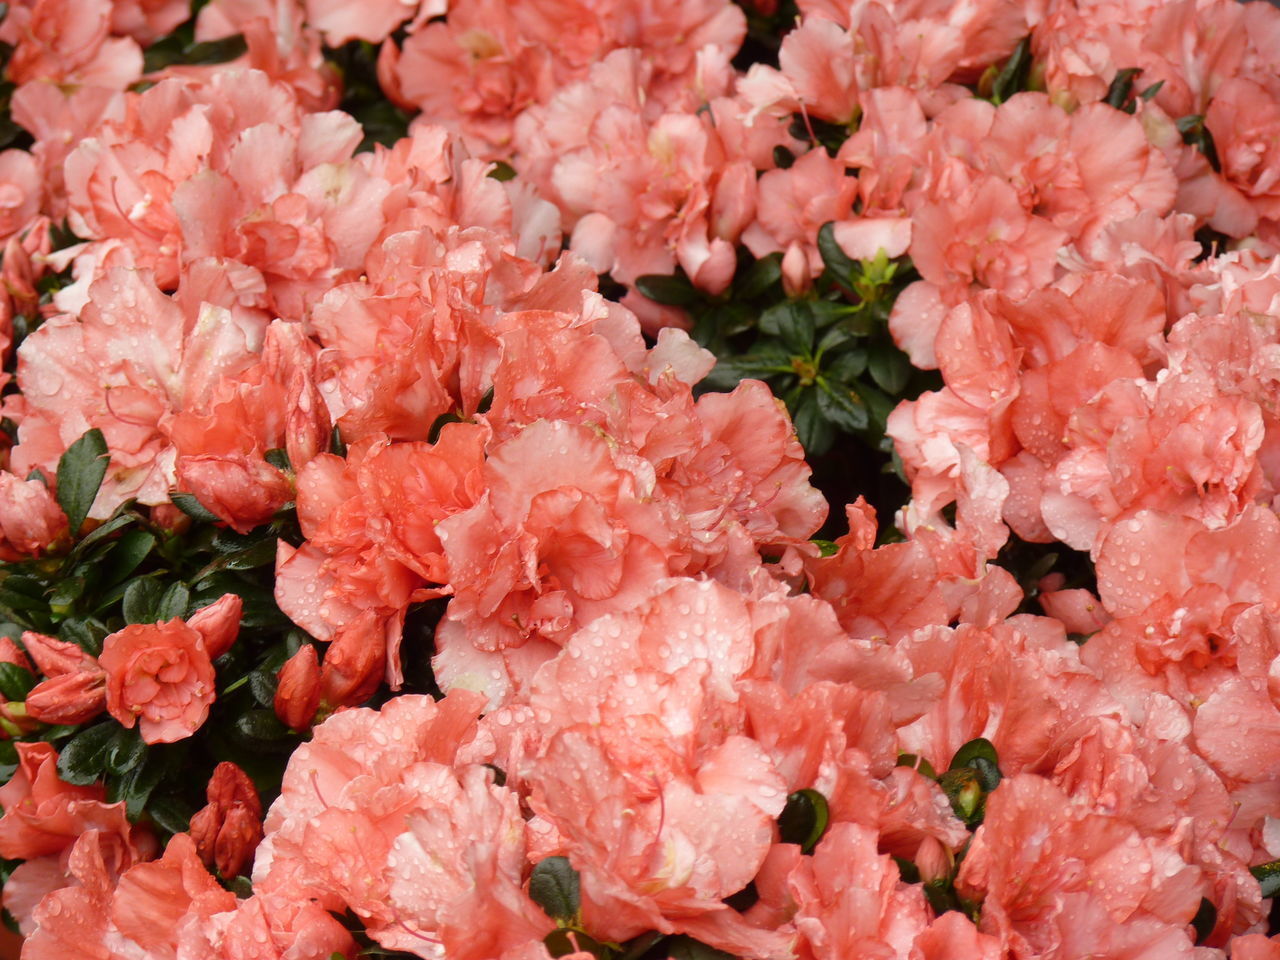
<point>639,481</point>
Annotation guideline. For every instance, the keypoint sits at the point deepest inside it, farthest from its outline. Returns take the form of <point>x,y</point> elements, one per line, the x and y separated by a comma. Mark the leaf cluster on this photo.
<point>129,569</point>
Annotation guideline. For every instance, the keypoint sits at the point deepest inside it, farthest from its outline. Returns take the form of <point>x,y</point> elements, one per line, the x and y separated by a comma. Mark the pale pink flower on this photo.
<point>133,359</point>
<point>849,900</point>
<point>1053,874</point>
<point>30,519</point>
<point>69,42</point>
<point>147,20</point>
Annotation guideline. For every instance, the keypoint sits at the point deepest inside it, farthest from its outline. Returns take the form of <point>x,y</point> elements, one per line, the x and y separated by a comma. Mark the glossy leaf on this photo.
<point>555,886</point>
<point>80,473</point>
<point>804,819</point>
<point>83,759</point>
<point>15,682</point>
<point>670,291</point>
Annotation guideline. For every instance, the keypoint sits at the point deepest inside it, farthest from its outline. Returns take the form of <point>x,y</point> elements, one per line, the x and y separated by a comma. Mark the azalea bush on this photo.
<point>640,481</point>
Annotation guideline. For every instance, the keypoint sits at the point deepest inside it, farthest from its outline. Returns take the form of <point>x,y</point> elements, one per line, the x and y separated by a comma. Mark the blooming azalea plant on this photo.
<point>603,479</point>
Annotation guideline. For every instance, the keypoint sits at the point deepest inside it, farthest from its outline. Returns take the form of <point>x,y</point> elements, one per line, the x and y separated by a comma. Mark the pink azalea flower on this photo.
<point>160,676</point>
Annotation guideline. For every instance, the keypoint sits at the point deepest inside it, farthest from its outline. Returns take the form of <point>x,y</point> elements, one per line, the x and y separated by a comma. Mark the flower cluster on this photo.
<point>381,574</point>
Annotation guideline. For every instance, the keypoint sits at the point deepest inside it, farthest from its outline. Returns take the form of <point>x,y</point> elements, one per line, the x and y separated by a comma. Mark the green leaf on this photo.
<point>835,338</point>
<point>838,263</point>
<point>1189,124</point>
<point>555,886</point>
<point>888,366</point>
<point>686,948</point>
<point>26,586</point>
<point>261,725</point>
<point>124,751</point>
<point>262,684</point>
<point>84,757</point>
<point>130,550</point>
<point>170,814</point>
<point>20,601</point>
<point>84,633</point>
<point>279,459</point>
<point>258,555</point>
<point>142,600</point>
<point>670,291</point>
<point>761,275</point>
<point>1198,135</point>
<point>1121,87</point>
<point>65,594</point>
<point>502,171</point>
<point>842,407</point>
<point>974,749</point>
<point>847,366</point>
<point>162,55</point>
<point>1013,77</point>
<point>336,446</point>
<point>80,473</point>
<point>192,507</point>
<point>120,519</point>
<point>804,819</point>
<point>173,602</point>
<point>792,322</point>
<point>1268,874</point>
<point>15,682</point>
<point>639,946</point>
<point>907,870</point>
<point>137,785</point>
<point>760,365</point>
<point>813,430</point>
<point>880,406</point>
<point>919,764</point>
<point>827,548</point>
<point>783,158</point>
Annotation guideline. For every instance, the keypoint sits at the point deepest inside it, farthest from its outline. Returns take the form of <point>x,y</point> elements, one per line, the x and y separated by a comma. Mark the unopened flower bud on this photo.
<point>298,689</point>
<point>934,861</point>
<point>229,829</point>
<point>70,698</point>
<point>796,280</point>
<point>54,657</point>
<point>355,662</point>
<point>218,624</point>
<point>170,518</point>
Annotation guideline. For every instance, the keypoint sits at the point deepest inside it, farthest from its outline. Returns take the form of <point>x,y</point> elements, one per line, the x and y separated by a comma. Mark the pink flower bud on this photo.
<point>298,689</point>
<point>933,860</point>
<point>170,518</point>
<point>218,624</point>
<point>55,657</point>
<point>795,271</point>
<point>229,829</point>
<point>30,519</point>
<point>355,662</point>
<point>10,652</point>
<point>70,698</point>
<point>244,491</point>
